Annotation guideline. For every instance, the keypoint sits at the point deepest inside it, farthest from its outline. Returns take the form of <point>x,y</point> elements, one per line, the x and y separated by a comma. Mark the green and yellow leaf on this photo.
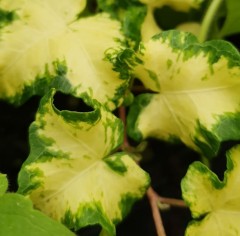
<point>130,13</point>
<point>45,32</point>
<point>195,95</point>
<point>73,174</point>
<point>17,218</point>
<point>214,204</point>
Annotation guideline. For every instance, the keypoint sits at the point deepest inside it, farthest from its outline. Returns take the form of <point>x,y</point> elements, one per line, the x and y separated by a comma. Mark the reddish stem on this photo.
<point>153,199</point>
<point>172,201</point>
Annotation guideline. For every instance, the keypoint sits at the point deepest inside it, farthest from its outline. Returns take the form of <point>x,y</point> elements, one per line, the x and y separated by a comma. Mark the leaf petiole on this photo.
<point>208,19</point>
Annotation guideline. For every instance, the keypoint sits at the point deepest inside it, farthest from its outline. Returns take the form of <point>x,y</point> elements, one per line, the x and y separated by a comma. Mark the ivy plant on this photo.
<point>81,169</point>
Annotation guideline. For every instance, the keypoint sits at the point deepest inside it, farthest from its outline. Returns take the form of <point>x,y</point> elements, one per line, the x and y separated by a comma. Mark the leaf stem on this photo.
<point>208,19</point>
<point>153,197</point>
<point>172,202</point>
<point>153,200</point>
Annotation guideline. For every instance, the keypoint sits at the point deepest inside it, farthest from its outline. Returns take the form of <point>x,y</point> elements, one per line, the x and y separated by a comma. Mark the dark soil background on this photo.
<point>166,164</point>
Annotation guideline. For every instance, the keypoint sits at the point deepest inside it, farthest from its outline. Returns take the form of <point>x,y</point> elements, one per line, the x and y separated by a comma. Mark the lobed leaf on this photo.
<point>72,173</point>
<point>195,95</point>
<point>45,33</point>
<point>214,204</point>
<point>17,218</point>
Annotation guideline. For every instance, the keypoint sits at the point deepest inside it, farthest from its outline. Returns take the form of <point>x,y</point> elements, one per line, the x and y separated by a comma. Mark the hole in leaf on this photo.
<point>219,163</point>
<point>90,9</point>
<point>138,87</point>
<point>161,14</point>
<point>70,103</point>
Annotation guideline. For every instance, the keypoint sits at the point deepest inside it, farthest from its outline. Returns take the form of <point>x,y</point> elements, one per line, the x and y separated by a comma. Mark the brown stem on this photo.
<point>153,199</point>
<point>172,202</point>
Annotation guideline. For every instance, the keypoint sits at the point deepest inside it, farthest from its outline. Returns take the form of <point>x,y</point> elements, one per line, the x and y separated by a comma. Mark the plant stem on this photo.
<point>208,19</point>
<point>172,202</point>
<point>153,199</point>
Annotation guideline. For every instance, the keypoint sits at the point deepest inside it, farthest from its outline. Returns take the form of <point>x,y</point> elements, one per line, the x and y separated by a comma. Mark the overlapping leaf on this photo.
<point>196,92</point>
<point>72,174</point>
<point>17,218</point>
<point>46,32</point>
<point>215,204</point>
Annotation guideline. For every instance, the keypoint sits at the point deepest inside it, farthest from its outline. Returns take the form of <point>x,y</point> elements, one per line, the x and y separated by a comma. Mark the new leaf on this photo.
<point>215,204</point>
<point>195,95</point>
<point>72,173</point>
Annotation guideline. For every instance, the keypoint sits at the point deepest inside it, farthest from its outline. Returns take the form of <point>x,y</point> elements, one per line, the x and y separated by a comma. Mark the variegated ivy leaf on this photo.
<point>72,173</point>
<point>196,92</point>
<point>46,32</point>
<point>215,204</point>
